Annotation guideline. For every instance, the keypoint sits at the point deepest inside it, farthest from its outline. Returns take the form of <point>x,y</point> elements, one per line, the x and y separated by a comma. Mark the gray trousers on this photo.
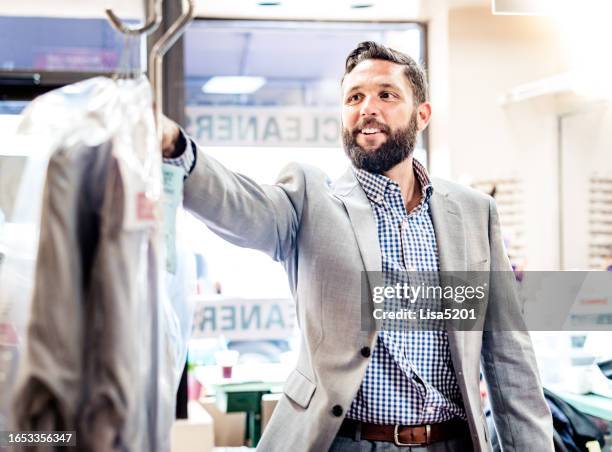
<point>344,444</point>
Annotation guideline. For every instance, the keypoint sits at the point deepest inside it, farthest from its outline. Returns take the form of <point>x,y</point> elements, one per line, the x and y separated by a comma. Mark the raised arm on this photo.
<point>247,214</point>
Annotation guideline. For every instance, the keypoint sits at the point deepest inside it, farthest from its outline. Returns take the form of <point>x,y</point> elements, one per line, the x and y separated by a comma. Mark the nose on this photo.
<point>369,107</point>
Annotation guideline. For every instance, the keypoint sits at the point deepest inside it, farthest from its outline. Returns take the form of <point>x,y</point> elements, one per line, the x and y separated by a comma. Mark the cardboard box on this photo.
<point>229,428</point>
<point>194,433</point>
<point>268,403</point>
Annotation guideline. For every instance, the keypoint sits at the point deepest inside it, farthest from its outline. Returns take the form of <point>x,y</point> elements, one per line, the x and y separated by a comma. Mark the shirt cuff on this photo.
<point>186,148</point>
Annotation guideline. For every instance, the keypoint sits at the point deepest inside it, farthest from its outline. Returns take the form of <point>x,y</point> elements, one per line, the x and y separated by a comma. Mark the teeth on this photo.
<point>370,130</point>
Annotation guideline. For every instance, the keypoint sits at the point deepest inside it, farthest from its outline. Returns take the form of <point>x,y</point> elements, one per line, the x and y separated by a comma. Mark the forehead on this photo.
<point>376,72</point>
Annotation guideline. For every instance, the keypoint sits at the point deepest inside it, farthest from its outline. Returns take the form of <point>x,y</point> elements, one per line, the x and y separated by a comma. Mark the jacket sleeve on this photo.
<point>520,412</point>
<point>243,212</point>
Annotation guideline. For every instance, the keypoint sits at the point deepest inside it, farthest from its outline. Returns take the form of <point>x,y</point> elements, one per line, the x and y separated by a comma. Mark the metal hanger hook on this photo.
<point>153,21</point>
<point>158,51</point>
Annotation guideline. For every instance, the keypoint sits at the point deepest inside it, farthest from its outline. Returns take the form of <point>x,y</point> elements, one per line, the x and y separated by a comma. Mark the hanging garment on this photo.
<point>103,340</point>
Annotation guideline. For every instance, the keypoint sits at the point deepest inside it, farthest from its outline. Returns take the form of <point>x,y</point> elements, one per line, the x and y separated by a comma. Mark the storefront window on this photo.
<point>258,95</point>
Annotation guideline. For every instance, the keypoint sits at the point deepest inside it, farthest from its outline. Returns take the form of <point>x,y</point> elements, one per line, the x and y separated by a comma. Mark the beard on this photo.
<point>398,146</point>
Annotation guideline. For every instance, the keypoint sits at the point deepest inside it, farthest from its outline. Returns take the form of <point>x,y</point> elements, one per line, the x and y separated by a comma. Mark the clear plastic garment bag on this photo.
<point>98,348</point>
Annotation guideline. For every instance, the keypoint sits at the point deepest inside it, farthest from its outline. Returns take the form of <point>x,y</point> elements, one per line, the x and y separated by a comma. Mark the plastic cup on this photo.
<point>227,359</point>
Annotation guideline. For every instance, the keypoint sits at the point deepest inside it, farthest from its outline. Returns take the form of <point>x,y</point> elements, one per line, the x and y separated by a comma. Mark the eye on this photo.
<point>387,95</point>
<point>353,98</point>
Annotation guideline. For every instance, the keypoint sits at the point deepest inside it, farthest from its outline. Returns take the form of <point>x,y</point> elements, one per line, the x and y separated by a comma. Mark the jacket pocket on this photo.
<point>299,388</point>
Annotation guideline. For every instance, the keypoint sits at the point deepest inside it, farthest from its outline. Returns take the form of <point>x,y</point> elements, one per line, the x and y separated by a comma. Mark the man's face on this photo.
<point>379,118</point>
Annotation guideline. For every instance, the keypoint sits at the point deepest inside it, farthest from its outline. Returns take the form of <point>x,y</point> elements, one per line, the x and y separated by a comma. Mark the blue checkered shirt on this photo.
<point>410,379</point>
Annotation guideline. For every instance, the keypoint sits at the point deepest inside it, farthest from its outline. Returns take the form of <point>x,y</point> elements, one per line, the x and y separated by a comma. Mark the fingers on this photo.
<point>170,134</point>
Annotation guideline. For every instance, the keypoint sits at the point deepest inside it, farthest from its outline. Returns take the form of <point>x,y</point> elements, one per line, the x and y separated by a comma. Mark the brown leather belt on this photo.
<point>405,435</point>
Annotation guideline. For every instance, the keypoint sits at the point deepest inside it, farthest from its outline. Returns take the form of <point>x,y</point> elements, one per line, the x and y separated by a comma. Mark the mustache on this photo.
<point>370,123</point>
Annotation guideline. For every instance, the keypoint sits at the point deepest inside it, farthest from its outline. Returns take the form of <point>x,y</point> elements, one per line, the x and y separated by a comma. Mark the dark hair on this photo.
<point>370,50</point>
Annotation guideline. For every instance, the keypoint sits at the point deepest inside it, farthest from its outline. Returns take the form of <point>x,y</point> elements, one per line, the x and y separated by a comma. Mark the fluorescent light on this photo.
<point>233,85</point>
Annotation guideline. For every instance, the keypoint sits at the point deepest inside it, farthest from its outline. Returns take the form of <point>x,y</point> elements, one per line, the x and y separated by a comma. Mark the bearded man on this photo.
<point>356,387</point>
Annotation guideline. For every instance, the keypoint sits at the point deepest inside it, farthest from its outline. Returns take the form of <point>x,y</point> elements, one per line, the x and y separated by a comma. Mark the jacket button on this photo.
<point>337,410</point>
<point>365,352</point>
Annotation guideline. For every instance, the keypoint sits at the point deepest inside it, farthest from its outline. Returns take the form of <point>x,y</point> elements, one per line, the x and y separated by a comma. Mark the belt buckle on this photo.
<point>397,442</point>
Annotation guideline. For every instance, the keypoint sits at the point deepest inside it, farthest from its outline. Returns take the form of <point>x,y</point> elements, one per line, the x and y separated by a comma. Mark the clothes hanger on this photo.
<point>126,68</point>
<point>160,47</point>
<point>151,24</point>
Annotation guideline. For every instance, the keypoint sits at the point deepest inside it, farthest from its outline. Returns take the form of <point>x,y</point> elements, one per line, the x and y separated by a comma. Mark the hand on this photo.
<point>170,134</point>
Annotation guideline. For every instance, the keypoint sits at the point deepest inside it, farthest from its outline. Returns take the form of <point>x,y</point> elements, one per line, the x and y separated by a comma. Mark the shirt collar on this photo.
<point>376,186</point>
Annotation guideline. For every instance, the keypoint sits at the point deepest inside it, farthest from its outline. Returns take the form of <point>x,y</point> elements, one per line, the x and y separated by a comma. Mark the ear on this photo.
<point>423,115</point>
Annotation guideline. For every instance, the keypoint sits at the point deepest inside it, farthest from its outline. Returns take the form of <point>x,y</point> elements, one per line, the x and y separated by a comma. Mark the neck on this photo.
<point>403,174</point>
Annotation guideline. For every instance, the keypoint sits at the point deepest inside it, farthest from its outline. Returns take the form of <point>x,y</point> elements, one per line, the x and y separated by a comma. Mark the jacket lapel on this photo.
<point>348,190</point>
<point>450,237</point>
<point>357,205</point>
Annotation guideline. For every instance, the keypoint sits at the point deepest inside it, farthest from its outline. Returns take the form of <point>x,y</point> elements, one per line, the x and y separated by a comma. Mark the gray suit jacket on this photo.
<point>325,236</point>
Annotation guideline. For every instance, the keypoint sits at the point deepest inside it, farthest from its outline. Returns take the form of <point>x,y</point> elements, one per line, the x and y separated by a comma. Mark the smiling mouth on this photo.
<point>370,131</point>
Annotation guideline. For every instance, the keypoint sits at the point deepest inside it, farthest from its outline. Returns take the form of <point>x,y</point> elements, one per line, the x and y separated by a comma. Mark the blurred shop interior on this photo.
<point>522,109</point>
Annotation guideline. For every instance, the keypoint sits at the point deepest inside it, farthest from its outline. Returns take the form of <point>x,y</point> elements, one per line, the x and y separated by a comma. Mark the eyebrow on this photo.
<point>380,85</point>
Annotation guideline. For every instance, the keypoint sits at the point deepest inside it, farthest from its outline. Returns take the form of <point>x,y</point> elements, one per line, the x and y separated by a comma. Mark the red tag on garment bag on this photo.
<point>145,207</point>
